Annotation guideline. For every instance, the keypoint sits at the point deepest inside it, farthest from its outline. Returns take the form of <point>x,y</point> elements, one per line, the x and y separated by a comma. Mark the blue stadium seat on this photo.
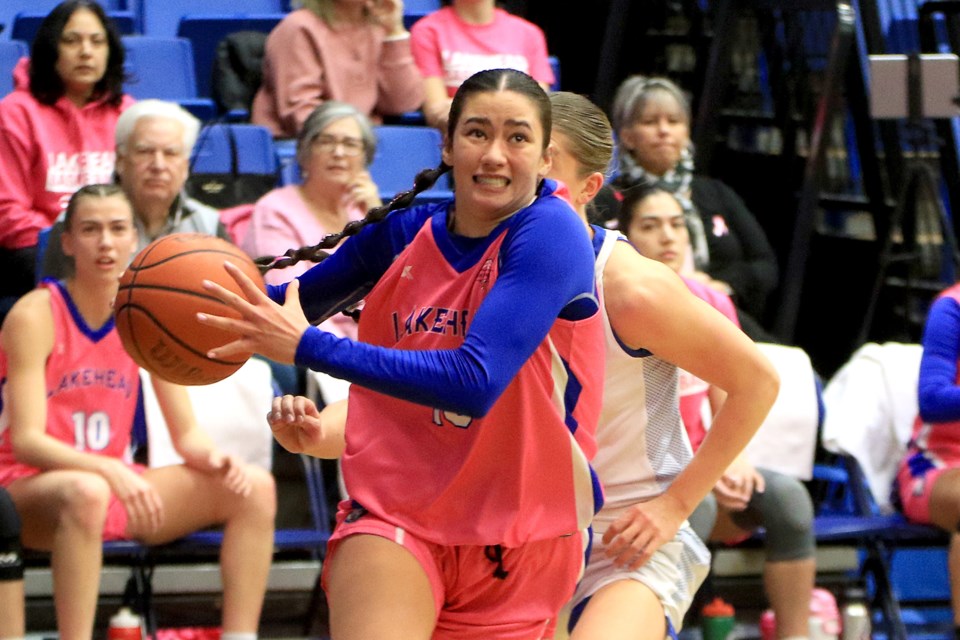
<point>163,68</point>
<point>254,143</point>
<point>26,23</point>
<point>402,152</point>
<point>555,65</point>
<point>10,8</point>
<point>10,52</point>
<point>413,10</point>
<point>205,31</point>
<point>161,18</point>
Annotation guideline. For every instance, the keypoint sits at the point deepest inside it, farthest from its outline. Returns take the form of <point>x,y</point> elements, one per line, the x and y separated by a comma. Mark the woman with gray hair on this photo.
<point>731,253</point>
<point>334,148</point>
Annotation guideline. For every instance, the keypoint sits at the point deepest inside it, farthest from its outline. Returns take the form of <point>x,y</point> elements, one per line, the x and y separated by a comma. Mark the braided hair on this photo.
<point>481,82</point>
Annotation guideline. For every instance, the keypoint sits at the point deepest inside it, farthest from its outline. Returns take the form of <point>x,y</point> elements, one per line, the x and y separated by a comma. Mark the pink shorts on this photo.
<point>115,525</point>
<point>470,600</point>
<point>918,473</point>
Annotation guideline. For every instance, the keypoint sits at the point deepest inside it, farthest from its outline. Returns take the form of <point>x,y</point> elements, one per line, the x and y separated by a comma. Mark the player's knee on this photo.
<point>85,502</point>
<point>788,517</point>
<point>263,492</point>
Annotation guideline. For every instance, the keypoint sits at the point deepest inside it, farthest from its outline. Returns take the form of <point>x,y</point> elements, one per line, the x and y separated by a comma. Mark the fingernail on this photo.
<point>201,316</point>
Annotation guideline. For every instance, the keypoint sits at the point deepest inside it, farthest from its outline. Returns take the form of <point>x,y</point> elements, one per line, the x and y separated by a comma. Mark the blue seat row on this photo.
<point>161,18</point>
<point>402,151</point>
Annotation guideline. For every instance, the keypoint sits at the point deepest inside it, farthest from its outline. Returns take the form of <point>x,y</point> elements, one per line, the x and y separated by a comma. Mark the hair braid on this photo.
<point>317,253</point>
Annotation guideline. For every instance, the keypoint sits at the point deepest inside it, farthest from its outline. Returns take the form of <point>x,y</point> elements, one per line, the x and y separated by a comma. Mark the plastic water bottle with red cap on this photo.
<point>125,625</point>
<point>718,620</point>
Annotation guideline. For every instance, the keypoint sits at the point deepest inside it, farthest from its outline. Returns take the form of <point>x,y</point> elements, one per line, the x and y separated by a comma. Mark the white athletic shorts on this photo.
<point>674,573</point>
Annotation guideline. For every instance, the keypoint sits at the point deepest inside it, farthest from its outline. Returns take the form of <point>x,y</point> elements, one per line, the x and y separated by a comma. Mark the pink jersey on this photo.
<point>444,46</point>
<point>92,387</point>
<point>518,474</point>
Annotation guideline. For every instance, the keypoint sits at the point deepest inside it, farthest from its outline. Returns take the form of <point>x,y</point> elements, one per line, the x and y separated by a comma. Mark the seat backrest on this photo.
<point>26,23</point>
<point>555,66</point>
<point>402,152</point>
<point>413,10</point>
<point>206,32</point>
<point>162,17</point>
<point>212,152</point>
<point>159,68</point>
<point>10,52</point>
<point>10,8</point>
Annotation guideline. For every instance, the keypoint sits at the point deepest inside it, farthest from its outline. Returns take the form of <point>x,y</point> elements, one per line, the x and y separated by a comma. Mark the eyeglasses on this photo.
<point>329,144</point>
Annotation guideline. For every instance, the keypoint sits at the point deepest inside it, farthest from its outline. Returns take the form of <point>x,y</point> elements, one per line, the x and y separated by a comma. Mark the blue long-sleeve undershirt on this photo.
<point>546,272</point>
<point>938,392</point>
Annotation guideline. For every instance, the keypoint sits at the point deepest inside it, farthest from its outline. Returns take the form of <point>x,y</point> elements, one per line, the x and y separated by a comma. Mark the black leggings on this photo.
<point>11,553</point>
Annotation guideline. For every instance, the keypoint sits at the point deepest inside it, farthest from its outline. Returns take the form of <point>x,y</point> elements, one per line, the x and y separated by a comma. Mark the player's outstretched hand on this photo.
<point>264,326</point>
<point>634,537</point>
<point>300,427</point>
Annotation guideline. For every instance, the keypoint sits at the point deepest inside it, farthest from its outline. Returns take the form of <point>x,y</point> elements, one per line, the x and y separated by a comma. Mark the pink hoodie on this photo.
<point>47,153</point>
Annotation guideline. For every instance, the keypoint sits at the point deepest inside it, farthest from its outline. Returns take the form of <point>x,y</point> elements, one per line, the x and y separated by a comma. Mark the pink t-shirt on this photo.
<point>693,390</point>
<point>282,220</point>
<point>444,46</point>
<point>307,62</point>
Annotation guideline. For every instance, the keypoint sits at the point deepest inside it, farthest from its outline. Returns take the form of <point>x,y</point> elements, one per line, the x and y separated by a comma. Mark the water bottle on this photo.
<point>718,620</point>
<point>768,625</point>
<point>125,625</point>
<point>824,616</point>
<point>824,621</point>
<point>856,616</point>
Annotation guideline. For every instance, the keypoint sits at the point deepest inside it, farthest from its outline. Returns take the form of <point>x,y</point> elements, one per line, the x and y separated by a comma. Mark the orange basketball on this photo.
<point>161,293</point>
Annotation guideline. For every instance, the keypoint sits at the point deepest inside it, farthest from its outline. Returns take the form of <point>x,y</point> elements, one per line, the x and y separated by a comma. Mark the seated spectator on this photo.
<point>730,249</point>
<point>64,458</point>
<point>11,571</point>
<point>154,140</point>
<point>467,36</point>
<point>355,52</point>
<point>928,481</point>
<point>746,497</point>
<point>56,129</point>
<point>334,148</point>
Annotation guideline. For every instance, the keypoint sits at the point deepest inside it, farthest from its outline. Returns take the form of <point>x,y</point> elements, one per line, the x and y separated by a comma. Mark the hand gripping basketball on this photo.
<point>264,327</point>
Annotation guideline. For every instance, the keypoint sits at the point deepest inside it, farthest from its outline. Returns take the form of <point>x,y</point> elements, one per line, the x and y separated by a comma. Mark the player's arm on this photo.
<point>193,443</point>
<point>27,339</point>
<point>651,307</point>
<point>190,441</point>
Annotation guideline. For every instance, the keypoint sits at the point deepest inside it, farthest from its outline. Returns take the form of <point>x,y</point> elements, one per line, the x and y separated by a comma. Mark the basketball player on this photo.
<point>476,387</point>
<point>70,392</point>
<point>647,563</point>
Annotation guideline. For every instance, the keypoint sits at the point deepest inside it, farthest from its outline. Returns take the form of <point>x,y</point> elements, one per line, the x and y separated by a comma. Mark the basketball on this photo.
<point>161,293</point>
